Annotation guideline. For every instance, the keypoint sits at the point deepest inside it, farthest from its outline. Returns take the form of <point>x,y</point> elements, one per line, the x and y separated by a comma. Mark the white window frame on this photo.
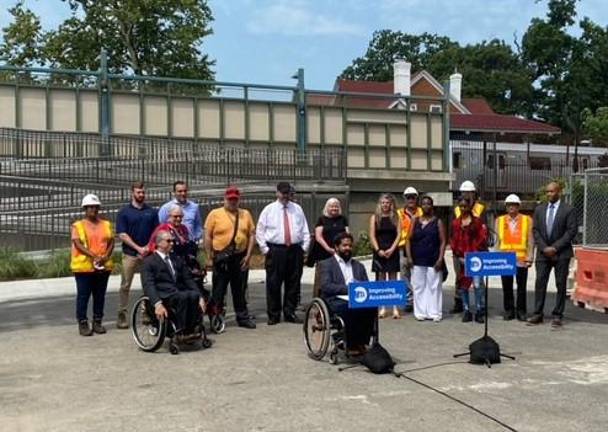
<point>434,108</point>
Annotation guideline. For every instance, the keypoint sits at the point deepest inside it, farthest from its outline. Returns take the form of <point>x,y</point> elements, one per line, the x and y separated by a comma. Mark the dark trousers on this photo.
<point>283,266</point>
<point>543,271</point>
<point>185,312</point>
<point>507,291</point>
<point>358,323</point>
<point>91,284</point>
<point>229,272</point>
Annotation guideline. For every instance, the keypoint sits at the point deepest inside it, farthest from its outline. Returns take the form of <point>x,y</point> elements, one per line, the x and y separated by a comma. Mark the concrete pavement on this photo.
<point>51,379</point>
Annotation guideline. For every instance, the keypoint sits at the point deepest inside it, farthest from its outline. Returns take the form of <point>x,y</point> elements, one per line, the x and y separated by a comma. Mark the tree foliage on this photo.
<point>595,125</point>
<point>146,37</point>
<point>553,73</point>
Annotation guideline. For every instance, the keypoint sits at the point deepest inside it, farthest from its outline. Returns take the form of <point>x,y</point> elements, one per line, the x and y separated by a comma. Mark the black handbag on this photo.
<point>221,257</point>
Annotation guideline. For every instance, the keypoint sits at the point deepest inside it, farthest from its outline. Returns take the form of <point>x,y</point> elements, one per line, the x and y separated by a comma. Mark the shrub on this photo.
<point>14,266</point>
<point>363,245</point>
<point>57,265</point>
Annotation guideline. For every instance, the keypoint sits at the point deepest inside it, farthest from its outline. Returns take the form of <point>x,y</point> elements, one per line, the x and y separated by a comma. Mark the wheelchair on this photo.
<point>323,332</point>
<point>215,313</point>
<point>149,332</point>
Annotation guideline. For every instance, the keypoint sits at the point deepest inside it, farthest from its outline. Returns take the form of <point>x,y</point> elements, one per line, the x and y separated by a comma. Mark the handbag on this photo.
<point>226,253</point>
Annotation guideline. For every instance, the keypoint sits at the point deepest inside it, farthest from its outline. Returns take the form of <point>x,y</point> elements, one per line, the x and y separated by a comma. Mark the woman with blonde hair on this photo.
<point>329,225</point>
<point>384,235</point>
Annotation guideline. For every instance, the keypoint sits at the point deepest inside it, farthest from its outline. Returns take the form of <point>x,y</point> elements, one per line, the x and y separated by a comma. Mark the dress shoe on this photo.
<point>98,327</point>
<point>467,316</point>
<point>293,318</point>
<point>121,321</point>
<point>535,320</point>
<point>273,321</point>
<point>247,323</point>
<point>508,316</point>
<point>556,323</point>
<point>84,329</point>
<point>521,316</point>
<point>479,318</point>
<point>409,309</point>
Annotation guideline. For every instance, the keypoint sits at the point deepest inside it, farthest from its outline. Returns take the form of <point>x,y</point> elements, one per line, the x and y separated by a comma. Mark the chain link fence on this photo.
<point>595,203</point>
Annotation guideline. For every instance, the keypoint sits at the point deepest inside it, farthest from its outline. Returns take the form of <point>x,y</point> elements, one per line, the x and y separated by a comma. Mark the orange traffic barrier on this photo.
<point>591,279</point>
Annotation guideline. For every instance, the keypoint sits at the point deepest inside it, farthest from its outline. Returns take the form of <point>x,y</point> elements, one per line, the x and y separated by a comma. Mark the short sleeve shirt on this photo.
<point>220,225</point>
<point>138,223</point>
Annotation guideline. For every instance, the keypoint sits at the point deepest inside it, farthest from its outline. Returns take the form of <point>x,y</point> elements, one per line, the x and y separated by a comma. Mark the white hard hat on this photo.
<point>512,199</point>
<point>90,200</point>
<point>410,191</point>
<point>467,186</point>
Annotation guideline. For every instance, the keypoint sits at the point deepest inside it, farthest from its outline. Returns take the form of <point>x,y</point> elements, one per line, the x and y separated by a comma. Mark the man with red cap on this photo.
<point>229,241</point>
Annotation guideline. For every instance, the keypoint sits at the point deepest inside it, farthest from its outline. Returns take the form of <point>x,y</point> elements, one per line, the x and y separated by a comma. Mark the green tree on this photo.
<point>490,69</point>
<point>144,37</point>
<point>387,45</point>
<point>596,125</point>
<point>21,38</point>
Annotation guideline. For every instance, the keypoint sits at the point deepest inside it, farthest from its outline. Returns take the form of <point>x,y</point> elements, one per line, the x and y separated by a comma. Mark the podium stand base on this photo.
<point>484,350</point>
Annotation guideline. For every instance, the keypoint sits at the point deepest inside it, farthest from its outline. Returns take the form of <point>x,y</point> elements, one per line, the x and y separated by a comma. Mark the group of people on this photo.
<point>163,245</point>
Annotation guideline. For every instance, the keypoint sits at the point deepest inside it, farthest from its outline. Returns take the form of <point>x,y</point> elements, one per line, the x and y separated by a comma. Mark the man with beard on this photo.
<point>135,224</point>
<point>336,273</point>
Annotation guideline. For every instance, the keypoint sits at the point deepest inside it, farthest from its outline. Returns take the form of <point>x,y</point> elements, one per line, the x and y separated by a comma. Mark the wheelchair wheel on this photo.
<point>148,331</point>
<point>317,329</point>
<point>218,323</point>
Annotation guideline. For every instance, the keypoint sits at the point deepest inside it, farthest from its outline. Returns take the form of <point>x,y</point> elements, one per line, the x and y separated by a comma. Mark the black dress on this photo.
<point>331,228</point>
<point>386,232</point>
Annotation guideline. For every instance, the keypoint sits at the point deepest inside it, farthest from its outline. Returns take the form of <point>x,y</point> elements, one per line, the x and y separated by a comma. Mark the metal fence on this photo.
<point>595,203</point>
<point>48,229</point>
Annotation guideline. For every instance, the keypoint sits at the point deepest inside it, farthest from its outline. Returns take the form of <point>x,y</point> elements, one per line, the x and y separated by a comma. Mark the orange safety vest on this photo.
<point>81,263</point>
<point>477,210</point>
<point>406,223</point>
<point>514,240</point>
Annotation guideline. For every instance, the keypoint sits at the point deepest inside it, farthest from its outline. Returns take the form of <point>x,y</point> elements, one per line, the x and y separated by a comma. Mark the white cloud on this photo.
<point>298,18</point>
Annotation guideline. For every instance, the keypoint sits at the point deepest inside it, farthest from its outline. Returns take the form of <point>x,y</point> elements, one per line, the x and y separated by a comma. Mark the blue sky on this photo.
<point>265,41</point>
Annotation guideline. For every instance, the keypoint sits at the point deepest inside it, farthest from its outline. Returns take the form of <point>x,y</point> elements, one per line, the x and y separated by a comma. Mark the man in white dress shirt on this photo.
<point>283,237</point>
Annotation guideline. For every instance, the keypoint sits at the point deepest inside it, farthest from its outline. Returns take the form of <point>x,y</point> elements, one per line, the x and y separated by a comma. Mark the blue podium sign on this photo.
<point>375,294</point>
<point>490,264</point>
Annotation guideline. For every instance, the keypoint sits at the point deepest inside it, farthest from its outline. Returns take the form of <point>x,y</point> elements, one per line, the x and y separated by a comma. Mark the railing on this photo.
<point>48,229</point>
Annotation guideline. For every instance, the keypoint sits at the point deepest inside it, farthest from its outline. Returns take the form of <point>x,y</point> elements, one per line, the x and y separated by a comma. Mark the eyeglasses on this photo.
<point>411,197</point>
<point>177,216</point>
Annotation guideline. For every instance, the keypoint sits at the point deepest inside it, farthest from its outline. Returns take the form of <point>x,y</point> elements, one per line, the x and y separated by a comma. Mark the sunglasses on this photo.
<point>177,216</point>
<point>411,197</point>
<point>169,240</point>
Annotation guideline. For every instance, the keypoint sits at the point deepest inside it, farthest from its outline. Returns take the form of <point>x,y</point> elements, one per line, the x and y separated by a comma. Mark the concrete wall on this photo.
<point>377,140</point>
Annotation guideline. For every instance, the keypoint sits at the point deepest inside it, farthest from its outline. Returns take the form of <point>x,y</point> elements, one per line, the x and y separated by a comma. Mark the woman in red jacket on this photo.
<point>469,234</point>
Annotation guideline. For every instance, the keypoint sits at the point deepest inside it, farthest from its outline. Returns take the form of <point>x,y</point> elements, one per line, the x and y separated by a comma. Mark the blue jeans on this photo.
<point>87,284</point>
<point>480,300</point>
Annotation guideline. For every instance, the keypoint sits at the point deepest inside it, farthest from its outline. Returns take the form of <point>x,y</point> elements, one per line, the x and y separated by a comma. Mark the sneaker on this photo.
<point>121,321</point>
<point>437,319</point>
<point>84,329</point>
<point>467,316</point>
<point>479,318</point>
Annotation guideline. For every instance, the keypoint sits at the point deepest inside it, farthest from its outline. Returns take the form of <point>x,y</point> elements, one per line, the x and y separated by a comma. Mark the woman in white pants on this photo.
<point>425,251</point>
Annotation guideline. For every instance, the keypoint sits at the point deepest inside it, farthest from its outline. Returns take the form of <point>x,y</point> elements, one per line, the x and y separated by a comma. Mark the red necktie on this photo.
<point>286,227</point>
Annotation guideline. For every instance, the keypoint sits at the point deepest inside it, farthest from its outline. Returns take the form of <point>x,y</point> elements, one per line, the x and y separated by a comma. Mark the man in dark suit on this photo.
<point>336,273</point>
<point>554,230</point>
<point>168,283</point>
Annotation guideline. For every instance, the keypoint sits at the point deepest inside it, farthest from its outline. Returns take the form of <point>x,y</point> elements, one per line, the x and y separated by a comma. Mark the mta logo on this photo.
<point>360,294</point>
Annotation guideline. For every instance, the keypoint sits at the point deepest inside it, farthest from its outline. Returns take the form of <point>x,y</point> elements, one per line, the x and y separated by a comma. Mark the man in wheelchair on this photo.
<point>168,283</point>
<point>336,273</point>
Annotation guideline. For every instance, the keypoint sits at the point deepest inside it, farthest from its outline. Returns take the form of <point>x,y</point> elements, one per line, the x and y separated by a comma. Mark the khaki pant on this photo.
<point>130,266</point>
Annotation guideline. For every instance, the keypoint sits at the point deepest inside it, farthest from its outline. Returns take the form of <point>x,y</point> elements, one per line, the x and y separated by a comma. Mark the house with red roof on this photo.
<point>407,91</point>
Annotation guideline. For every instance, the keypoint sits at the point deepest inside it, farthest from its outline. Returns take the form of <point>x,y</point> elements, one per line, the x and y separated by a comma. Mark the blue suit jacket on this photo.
<point>332,281</point>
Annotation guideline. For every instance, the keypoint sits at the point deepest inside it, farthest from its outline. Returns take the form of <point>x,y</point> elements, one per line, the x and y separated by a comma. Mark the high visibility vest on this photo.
<point>514,240</point>
<point>81,263</point>
<point>477,210</point>
<point>406,223</point>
